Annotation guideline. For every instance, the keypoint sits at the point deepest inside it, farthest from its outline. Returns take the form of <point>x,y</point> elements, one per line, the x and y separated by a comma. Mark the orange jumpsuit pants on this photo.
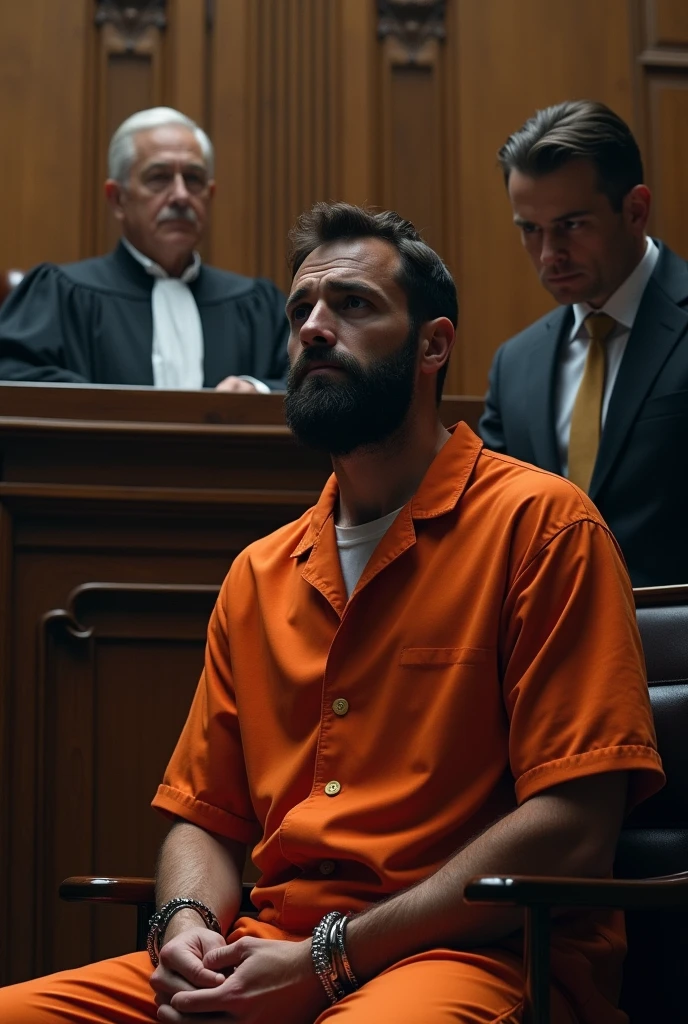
<point>479,987</point>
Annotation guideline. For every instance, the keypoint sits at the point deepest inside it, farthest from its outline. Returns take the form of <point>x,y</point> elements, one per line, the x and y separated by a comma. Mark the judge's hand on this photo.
<point>236,385</point>
<point>181,967</point>
<point>268,981</point>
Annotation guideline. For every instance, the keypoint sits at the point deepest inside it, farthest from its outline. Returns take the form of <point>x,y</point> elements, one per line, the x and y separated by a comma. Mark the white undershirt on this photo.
<point>623,307</point>
<point>357,543</point>
<point>177,330</point>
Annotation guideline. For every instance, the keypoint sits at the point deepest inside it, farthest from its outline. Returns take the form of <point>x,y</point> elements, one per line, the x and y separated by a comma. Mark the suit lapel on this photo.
<point>659,325</point>
<point>542,371</point>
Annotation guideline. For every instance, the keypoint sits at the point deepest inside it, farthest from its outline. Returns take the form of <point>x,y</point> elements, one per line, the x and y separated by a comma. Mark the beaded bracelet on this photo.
<point>330,960</point>
<point>160,920</point>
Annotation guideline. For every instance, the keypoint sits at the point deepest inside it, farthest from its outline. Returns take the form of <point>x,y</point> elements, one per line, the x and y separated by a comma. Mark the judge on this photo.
<point>149,313</point>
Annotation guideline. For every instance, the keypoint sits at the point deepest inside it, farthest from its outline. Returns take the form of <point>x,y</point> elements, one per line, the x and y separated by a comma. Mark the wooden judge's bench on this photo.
<point>120,512</point>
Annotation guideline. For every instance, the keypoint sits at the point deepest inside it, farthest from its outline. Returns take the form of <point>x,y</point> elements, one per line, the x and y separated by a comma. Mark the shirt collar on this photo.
<point>439,491</point>
<point>623,304</point>
<point>155,270</point>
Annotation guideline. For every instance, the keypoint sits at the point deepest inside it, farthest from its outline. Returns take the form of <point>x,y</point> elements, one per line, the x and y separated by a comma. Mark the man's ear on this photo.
<point>113,194</point>
<point>437,341</point>
<point>637,205</point>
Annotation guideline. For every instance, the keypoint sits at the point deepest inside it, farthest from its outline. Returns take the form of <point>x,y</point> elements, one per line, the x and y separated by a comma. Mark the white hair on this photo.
<point>122,149</point>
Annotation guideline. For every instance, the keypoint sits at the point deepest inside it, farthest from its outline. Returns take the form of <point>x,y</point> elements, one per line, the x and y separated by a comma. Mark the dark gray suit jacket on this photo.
<point>640,480</point>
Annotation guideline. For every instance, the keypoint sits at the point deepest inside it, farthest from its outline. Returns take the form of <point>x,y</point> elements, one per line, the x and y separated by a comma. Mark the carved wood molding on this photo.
<point>131,17</point>
<point>412,23</point>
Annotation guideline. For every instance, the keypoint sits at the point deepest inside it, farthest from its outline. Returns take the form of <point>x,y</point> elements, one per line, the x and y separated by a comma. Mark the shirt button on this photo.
<point>340,706</point>
<point>332,788</point>
<point>327,867</point>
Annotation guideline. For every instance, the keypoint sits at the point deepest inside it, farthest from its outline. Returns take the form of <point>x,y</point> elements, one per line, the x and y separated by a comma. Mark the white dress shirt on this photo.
<point>177,328</point>
<point>623,307</point>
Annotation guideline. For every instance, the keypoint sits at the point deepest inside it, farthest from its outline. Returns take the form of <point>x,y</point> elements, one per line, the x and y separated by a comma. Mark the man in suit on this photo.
<point>598,389</point>
<point>149,313</point>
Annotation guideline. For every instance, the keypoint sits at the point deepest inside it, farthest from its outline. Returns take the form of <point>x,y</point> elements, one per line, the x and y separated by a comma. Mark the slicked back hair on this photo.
<point>428,285</point>
<point>576,130</point>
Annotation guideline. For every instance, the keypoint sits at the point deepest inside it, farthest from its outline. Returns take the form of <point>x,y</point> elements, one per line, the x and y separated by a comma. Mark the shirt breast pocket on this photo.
<point>427,657</point>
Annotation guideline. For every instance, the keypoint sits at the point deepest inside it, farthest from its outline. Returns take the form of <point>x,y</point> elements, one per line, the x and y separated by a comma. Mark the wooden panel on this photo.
<point>667,158</point>
<point>42,88</point>
<point>129,78</point>
<point>285,96</point>
<point>186,58</point>
<point>511,59</point>
<point>414,112</point>
<point>120,667</point>
<point>412,103</point>
<point>667,23</point>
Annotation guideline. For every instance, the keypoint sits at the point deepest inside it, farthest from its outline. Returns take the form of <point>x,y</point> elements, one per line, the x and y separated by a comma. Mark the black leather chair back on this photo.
<point>655,839</point>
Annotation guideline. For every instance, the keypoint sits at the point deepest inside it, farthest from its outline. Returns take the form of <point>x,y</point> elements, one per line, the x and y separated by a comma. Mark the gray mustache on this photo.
<point>177,213</point>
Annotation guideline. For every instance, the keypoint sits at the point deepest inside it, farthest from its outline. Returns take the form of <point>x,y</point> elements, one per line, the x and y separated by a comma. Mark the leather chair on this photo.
<point>9,279</point>
<point>651,870</point>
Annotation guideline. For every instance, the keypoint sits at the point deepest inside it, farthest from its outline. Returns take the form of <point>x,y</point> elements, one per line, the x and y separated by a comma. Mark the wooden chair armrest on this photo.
<point>133,891</point>
<point>538,891</point>
<point>538,894</point>
<point>108,890</point>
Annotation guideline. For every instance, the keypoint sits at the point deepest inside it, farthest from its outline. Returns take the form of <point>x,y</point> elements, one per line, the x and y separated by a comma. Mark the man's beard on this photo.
<point>355,407</point>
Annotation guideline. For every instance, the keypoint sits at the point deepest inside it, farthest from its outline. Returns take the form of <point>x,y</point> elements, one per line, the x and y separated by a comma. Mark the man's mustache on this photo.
<point>177,213</point>
<point>322,356</point>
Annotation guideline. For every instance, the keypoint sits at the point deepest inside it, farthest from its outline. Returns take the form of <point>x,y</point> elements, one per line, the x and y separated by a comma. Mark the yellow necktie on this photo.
<point>586,417</point>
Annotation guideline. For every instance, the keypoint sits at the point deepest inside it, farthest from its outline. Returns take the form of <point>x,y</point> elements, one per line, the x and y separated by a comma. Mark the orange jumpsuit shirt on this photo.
<point>488,652</point>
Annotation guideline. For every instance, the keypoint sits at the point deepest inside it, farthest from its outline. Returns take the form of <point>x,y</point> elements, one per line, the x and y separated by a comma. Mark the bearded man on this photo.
<point>405,688</point>
<point>149,313</point>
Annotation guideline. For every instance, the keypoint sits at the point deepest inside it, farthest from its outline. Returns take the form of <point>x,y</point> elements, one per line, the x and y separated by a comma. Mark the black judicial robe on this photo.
<point>92,323</point>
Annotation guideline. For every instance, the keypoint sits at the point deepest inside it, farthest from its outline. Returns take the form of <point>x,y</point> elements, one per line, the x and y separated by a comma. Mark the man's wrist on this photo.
<point>163,917</point>
<point>182,921</point>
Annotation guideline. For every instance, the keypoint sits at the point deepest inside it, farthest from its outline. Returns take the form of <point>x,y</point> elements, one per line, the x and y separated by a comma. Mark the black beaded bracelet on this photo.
<point>160,920</point>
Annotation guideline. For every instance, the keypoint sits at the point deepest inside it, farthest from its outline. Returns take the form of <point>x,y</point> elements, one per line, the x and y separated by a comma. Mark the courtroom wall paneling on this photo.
<point>291,112</point>
<point>662,83</point>
<point>118,668</point>
<point>308,100</point>
<point>510,60</point>
<point>43,57</point>
<point>666,23</point>
<point>129,75</point>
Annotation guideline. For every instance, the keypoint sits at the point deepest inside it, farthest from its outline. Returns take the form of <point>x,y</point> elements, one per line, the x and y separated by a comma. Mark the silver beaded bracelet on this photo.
<point>331,963</point>
<point>160,920</point>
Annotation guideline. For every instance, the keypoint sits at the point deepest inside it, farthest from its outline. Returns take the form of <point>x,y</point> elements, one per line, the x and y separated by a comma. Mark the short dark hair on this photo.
<point>428,285</point>
<point>576,130</point>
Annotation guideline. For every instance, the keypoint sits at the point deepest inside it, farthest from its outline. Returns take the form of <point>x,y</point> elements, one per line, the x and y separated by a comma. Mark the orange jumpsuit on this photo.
<point>488,653</point>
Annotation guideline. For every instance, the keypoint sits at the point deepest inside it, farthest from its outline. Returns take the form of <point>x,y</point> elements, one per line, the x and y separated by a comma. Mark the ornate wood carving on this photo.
<point>131,17</point>
<point>413,23</point>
